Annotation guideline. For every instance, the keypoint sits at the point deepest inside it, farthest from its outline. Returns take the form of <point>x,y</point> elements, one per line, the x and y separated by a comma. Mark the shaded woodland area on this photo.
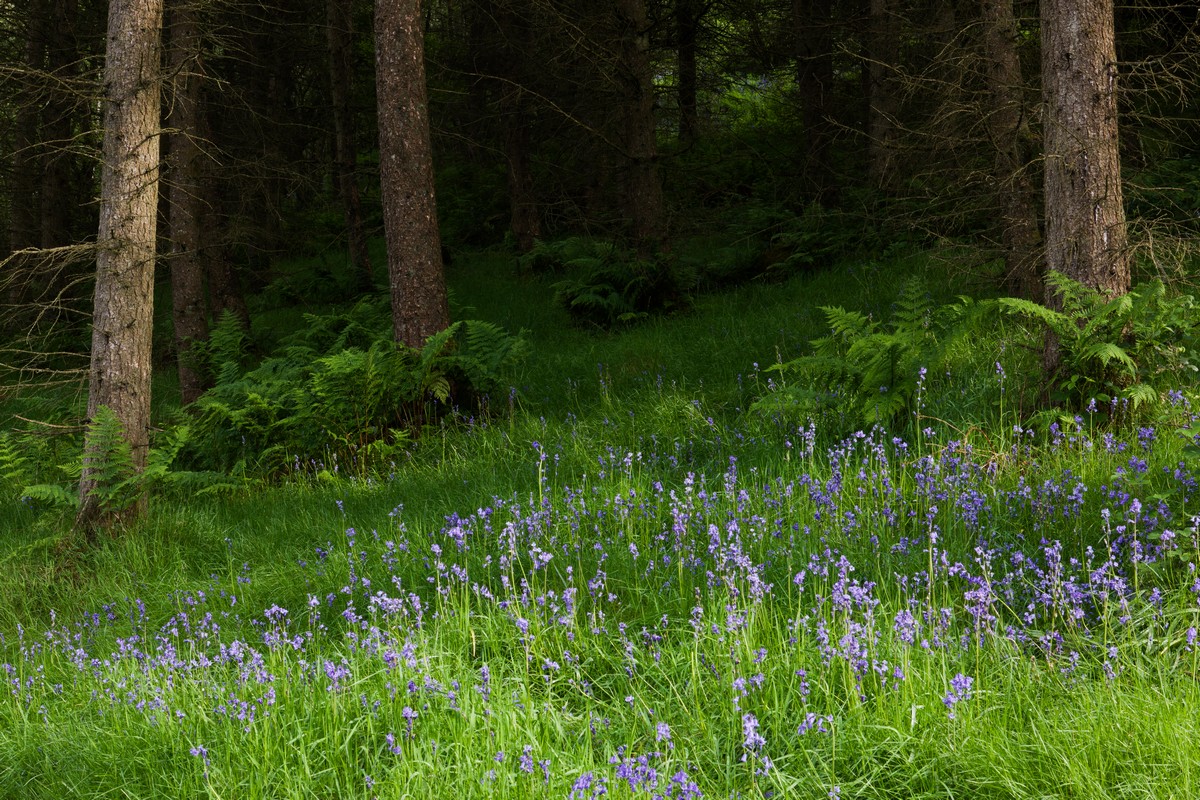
<point>571,399</point>
<point>186,148</point>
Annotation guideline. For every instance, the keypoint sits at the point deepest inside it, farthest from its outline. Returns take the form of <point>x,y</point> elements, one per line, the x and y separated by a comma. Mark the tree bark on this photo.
<point>119,377</point>
<point>516,44</point>
<point>882,101</point>
<point>1007,124</point>
<point>340,42</point>
<point>62,55</point>
<point>643,188</point>
<point>23,185</point>
<point>415,270</point>
<point>185,194</point>
<point>1085,217</point>
<point>814,79</point>
<point>687,27</point>
<point>25,177</point>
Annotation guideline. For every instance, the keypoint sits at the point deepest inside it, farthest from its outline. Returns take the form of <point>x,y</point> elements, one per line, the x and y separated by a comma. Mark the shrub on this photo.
<point>342,390</point>
<point>1130,348</point>
<point>605,284</point>
<point>867,371</point>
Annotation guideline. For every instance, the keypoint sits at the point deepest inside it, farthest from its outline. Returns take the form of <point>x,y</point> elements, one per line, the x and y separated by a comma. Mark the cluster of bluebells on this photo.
<point>971,553</point>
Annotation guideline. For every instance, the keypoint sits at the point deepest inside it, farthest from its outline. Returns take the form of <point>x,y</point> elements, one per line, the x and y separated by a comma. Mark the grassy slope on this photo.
<point>619,417</point>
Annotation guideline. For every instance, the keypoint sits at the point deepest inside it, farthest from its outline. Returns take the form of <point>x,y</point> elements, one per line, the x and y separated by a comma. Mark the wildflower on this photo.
<point>753,741</point>
<point>526,760</point>
<point>662,731</point>
<point>960,689</point>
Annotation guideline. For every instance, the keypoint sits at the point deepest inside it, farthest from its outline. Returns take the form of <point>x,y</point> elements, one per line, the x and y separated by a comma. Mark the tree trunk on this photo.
<point>24,225</point>
<point>1085,217</point>
<point>119,377</point>
<point>415,272</point>
<point>185,193</point>
<point>60,112</point>
<point>526,221</point>
<point>687,27</point>
<point>516,44</point>
<point>340,42</point>
<point>1007,124</point>
<point>814,79</point>
<point>883,57</point>
<point>643,197</point>
<point>24,179</point>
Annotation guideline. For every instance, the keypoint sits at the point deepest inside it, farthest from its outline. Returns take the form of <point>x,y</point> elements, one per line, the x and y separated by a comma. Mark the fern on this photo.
<point>318,399</point>
<point>108,459</point>
<point>868,371</point>
<point>1130,347</point>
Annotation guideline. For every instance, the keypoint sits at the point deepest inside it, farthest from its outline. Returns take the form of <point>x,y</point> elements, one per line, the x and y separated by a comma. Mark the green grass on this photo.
<point>632,547</point>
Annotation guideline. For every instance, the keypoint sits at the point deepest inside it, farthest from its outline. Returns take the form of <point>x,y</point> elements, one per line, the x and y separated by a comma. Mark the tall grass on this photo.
<point>632,587</point>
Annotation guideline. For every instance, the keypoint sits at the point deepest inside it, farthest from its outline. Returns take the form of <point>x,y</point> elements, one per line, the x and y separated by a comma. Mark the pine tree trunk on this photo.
<point>1007,122</point>
<point>340,42</point>
<point>185,192</point>
<point>514,48</point>
<point>1085,217</point>
<point>882,100</point>
<point>814,79</point>
<point>24,178</point>
<point>60,113</point>
<point>687,27</point>
<point>642,187</point>
<point>415,272</point>
<point>119,377</point>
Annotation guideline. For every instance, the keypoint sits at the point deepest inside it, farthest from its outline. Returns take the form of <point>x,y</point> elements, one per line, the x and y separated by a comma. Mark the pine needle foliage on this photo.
<point>1130,348</point>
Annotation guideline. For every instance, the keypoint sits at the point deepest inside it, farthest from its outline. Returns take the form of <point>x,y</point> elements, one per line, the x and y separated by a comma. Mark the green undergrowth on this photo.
<point>632,569</point>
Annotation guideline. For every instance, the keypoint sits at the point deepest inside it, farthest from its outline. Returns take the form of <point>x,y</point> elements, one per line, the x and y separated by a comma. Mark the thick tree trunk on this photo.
<point>1007,123</point>
<point>882,100</point>
<point>814,79</point>
<point>687,27</point>
<point>643,197</point>
<point>119,377</point>
<point>1085,217</point>
<point>185,192</point>
<point>340,43</point>
<point>415,271</point>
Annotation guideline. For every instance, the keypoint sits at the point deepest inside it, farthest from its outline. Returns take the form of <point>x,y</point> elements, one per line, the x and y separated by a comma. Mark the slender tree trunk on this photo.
<point>515,45</point>
<point>23,183</point>
<point>24,225</point>
<point>61,109</point>
<point>119,377</point>
<point>526,221</point>
<point>687,27</point>
<point>643,188</point>
<point>814,78</point>
<point>185,193</point>
<point>415,271</point>
<point>882,101</point>
<point>1085,217</point>
<point>340,42</point>
<point>1007,124</point>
